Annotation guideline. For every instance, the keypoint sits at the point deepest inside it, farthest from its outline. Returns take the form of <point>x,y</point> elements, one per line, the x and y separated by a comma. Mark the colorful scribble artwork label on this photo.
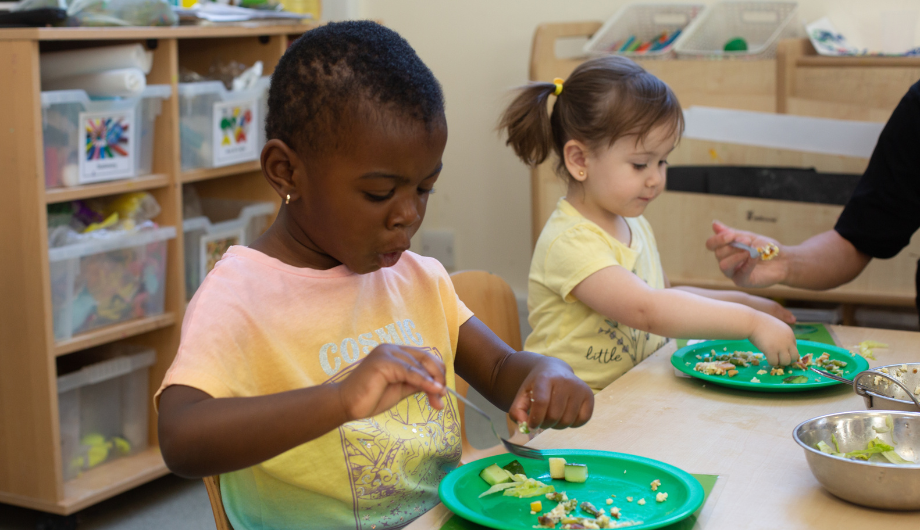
<point>107,146</point>
<point>235,134</point>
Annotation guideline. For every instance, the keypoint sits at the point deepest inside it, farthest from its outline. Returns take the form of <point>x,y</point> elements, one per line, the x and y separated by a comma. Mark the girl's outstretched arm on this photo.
<point>623,297</point>
<point>543,391</point>
<point>201,435</point>
<point>757,302</point>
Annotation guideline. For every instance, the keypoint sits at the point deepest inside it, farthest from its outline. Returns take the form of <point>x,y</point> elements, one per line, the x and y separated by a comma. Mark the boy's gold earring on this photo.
<point>288,199</point>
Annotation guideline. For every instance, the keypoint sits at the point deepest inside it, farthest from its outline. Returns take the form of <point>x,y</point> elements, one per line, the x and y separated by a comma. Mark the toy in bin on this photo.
<point>108,261</point>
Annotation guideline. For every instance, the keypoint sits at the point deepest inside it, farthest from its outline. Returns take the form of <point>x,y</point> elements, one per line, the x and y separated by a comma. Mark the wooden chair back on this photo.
<point>493,302</point>
<point>212,484</point>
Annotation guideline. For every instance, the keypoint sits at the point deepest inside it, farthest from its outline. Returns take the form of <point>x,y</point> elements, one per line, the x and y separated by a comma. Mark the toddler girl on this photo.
<point>598,297</point>
<point>312,365</point>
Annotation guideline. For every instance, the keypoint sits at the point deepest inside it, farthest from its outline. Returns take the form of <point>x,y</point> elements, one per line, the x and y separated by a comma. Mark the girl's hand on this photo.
<point>775,339</point>
<point>389,374</point>
<point>769,307</point>
<point>552,396</point>
<point>738,265</point>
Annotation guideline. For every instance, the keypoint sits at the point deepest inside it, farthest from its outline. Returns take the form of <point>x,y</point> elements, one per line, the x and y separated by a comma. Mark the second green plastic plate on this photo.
<point>609,474</point>
<point>685,359</point>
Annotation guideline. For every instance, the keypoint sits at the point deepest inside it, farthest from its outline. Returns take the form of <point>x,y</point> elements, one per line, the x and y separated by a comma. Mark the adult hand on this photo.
<point>738,265</point>
<point>389,374</point>
<point>552,397</point>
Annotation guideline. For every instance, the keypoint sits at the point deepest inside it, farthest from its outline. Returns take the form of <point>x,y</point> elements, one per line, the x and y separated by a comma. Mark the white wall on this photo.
<point>479,49</point>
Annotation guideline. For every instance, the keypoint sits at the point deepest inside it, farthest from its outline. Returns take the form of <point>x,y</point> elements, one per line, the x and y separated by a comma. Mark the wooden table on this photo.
<point>744,437</point>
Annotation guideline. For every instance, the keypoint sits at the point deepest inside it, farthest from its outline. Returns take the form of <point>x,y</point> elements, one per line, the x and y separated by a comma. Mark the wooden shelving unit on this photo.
<point>30,453</point>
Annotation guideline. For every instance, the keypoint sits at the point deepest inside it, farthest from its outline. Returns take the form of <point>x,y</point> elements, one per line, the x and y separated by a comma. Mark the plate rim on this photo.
<point>677,362</point>
<point>694,501</point>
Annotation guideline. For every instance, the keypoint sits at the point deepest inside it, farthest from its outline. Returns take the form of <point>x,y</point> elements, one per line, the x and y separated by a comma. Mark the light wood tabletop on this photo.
<point>743,437</point>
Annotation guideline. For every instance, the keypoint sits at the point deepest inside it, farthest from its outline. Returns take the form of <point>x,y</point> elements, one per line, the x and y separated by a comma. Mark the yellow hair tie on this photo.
<point>558,82</point>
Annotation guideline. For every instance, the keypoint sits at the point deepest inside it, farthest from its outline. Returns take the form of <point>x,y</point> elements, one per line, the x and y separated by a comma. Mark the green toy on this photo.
<point>736,45</point>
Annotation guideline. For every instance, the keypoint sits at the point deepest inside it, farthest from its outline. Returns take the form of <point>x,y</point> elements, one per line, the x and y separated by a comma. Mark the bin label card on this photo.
<point>214,246</point>
<point>107,141</point>
<point>235,136</point>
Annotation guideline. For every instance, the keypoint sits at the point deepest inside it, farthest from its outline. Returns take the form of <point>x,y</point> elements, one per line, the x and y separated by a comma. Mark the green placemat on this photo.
<point>813,331</point>
<point>707,481</point>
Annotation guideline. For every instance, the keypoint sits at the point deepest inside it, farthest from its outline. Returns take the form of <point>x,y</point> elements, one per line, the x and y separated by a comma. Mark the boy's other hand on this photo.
<point>552,396</point>
<point>738,265</point>
<point>775,339</point>
<point>389,374</point>
<point>769,307</point>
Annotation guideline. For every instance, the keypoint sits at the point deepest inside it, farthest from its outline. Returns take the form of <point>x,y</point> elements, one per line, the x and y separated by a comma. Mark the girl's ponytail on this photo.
<point>527,122</point>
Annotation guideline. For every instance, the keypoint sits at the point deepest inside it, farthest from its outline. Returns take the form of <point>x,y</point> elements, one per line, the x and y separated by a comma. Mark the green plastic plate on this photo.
<point>685,359</point>
<point>608,474</point>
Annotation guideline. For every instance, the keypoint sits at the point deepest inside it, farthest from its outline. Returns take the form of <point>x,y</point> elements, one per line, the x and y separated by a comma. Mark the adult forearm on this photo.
<point>204,438</point>
<point>824,261</point>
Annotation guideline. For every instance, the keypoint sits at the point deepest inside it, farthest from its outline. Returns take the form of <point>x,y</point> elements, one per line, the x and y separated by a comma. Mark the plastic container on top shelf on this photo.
<point>108,280</point>
<point>642,23</point>
<point>219,127</point>
<point>224,223</point>
<point>760,24</point>
<point>103,407</point>
<point>87,141</point>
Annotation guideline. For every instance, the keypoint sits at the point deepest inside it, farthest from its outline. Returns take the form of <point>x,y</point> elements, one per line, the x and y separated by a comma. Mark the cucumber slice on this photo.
<point>514,467</point>
<point>557,468</point>
<point>495,475</point>
<point>576,472</point>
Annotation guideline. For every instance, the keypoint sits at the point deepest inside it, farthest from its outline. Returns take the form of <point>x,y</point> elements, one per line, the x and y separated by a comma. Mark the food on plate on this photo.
<point>536,506</point>
<point>529,488</point>
<point>576,472</point>
<point>557,468</point>
<point>514,467</point>
<point>495,475</point>
<point>795,379</point>
<point>661,497</point>
<point>755,380</point>
<point>587,507</point>
<point>768,252</point>
<point>824,362</point>
<point>628,499</point>
<point>776,371</point>
<point>555,515</point>
<point>655,484</point>
<point>641,502</point>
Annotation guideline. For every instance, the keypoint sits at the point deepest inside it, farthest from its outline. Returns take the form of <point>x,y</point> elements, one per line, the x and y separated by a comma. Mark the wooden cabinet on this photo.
<point>30,455</point>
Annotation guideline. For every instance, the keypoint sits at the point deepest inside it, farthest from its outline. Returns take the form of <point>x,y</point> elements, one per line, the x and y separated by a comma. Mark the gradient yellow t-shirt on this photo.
<point>570,249</point>
<point>258,326</point>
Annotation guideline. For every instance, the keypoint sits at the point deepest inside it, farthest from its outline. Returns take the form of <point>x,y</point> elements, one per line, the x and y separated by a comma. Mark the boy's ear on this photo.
<point>280,165</point>
<point>575,154</point>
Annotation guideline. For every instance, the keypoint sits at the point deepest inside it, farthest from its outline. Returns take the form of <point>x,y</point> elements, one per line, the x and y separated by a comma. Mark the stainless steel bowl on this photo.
<point>869,483</point>
<point>880,392</point>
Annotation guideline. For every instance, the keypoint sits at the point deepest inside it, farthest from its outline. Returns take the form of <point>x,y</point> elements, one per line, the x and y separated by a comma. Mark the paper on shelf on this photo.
<point>783,131</point>
<point>125,82</point>
<point>58,65</point>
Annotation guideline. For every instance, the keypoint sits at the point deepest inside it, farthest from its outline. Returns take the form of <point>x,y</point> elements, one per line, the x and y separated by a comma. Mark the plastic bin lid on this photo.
<point>105,370</point>
<point>246,214</point>
<point>60,97</point>
<point>199,88</point>
<point>115,242</point>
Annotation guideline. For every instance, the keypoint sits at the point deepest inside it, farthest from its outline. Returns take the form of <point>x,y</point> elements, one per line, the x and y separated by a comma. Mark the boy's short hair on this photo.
<point>336,70</point>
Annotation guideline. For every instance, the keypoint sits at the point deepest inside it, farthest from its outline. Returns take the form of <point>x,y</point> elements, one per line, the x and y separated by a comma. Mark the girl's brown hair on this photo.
<point>604,99</point>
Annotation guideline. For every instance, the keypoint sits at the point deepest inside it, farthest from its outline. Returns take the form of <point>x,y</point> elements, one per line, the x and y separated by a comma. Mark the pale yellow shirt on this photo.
<point>570,249</point>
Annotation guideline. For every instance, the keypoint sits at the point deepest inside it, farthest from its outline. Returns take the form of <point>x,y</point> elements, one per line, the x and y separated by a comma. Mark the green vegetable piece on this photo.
<point>495,475</point>
<point>876,446</point>
<point>895,458</point>
<point>587,507</point>
<point>576,472</point>
<point>498,487</point>
<point>514,467</point>
<point>525,490</point>
<point>796,379</point>
<point>736,45</point>
<point>834,441</point>
<point>522,426</point>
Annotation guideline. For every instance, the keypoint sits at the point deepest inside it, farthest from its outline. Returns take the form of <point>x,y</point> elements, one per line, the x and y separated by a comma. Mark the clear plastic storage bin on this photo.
<point>219,127</point>
<point>103,408</point>
<point>761,24</point>
<point>643,22</point>
<point>88,141</point>
<point>224,223</point>
<point>106,281</point>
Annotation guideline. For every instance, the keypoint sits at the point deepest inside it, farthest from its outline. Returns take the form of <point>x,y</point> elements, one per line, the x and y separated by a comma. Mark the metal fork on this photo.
<point>750,250</point>
<point>512,447</point>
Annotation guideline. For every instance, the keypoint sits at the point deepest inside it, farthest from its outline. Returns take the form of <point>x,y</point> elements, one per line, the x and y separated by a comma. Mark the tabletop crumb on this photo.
<point>641,502</point>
